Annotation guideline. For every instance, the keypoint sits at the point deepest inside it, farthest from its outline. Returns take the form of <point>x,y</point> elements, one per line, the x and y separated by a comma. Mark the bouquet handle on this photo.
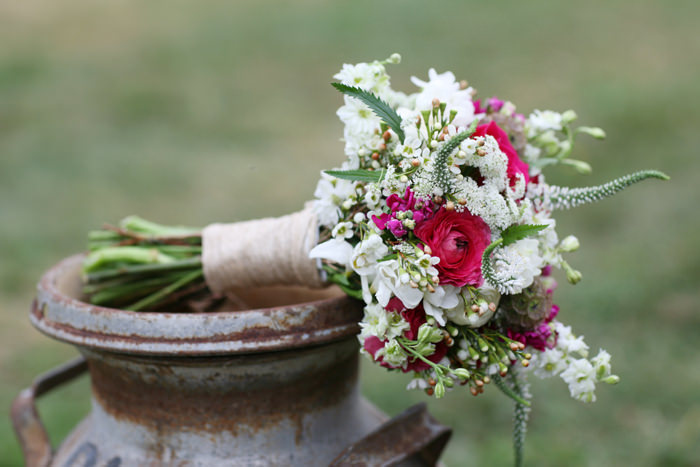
<point>26,421</point>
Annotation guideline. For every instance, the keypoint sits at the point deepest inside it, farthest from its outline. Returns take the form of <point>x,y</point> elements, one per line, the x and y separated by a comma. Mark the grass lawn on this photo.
<point>194,112</point>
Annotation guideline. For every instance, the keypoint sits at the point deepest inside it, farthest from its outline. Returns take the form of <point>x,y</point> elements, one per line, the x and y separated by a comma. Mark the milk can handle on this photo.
<point>25,418</point>
<point>413,438</point>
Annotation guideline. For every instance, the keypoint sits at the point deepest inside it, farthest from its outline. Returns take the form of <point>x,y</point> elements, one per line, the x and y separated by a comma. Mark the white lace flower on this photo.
<point>518,264</point>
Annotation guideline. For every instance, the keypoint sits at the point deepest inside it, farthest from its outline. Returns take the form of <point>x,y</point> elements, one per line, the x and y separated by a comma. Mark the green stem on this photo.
<point>165,291</point>
<point>137,224</point>
<point>124,254</point>
<point>508,391</point>
<point>189,263</point>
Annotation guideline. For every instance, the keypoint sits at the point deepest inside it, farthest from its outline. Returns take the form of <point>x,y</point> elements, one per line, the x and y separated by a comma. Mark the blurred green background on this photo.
<point>195,112</point>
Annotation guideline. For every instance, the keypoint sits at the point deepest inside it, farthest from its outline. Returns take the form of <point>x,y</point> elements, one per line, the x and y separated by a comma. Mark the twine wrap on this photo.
<point>261,252</point>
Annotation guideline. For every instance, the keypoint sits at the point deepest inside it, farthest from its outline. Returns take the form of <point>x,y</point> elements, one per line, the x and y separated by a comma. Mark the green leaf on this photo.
<point>517,232</point>
<point>388,257</point>
<point>378,106</point>
<point>359,175</point>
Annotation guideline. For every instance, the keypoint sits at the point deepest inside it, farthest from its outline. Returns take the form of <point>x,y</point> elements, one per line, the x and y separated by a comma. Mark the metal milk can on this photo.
<point>272,385</point>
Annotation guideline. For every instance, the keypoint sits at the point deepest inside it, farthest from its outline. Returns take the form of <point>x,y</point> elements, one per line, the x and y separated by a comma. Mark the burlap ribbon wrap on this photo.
<point>261,252</point>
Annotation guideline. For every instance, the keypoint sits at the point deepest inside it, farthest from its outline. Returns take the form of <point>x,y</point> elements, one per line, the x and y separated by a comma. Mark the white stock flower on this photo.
<point>567,342</point>
<point>393,354</point>
<point>368,76</point>
<point>390,281</point>
<point>551,362</point>
<point>601,363</point>
<point>374,322</point>
<point>330,193</point>
<point>436,303</point>
<point>540,121</point>
<point>580,376</point>
<point>366,254</point>
<point>381,323</point>
<point>445,87</point>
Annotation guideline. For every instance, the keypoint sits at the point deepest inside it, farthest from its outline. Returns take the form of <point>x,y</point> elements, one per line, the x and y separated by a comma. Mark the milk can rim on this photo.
<point>188,334</point>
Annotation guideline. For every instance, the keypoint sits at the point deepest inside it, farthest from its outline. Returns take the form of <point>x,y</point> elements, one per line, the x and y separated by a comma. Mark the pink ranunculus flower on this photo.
<point>459,240</point>
<point>515,164</point>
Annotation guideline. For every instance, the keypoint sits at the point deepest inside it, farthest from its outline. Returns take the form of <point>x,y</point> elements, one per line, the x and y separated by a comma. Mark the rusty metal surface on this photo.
<point>296,407</point>
<point>26,422</point>
<point>60,314</point>
<point>412,438</point>
<point>275,385</point>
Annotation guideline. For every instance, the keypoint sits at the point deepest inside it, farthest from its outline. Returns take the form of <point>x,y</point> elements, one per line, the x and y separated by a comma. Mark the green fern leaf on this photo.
<point>358,175</point>
<point>378,106</point>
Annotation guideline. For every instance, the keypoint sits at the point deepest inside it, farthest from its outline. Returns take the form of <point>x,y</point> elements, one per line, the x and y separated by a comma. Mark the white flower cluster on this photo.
<point>568,359</point>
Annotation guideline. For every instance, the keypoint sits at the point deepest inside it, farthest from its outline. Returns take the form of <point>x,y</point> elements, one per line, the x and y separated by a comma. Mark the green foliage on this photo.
<point>517,232</point>
<point>358,175</point>
<point>378,106</point>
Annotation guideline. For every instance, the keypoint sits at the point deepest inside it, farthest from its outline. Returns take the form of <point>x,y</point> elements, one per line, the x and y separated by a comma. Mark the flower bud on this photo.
<point>572,275</point>
<point>439,390</point>
<point>612,379</point>
<point>569,244</point>
<point>568,117</point>
<point>359,217</point>
<point>394,59</point>
<point>597,133</point>
<point>580,166</point>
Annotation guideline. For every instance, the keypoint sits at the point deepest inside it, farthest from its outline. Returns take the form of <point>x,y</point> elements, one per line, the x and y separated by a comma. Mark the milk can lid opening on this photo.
<point>281,318</point>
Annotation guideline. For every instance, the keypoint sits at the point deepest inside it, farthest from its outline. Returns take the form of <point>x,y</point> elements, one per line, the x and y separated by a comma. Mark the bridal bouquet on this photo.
<point>440,220</point>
